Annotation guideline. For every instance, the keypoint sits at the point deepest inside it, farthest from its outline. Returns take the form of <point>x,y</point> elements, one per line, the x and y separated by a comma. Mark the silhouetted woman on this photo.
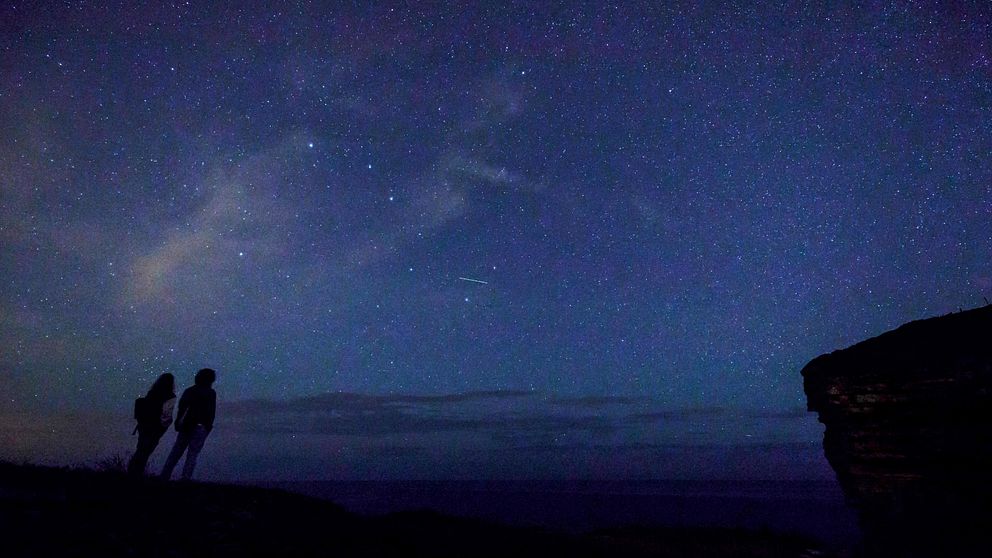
<point>154,414</point>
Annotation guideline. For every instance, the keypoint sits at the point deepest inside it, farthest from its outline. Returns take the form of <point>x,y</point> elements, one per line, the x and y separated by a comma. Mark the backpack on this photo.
<point>145,411</point>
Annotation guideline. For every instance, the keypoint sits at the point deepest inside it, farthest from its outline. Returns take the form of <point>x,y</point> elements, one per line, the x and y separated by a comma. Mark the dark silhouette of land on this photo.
<point>75,512</point>
<point>908,418</point>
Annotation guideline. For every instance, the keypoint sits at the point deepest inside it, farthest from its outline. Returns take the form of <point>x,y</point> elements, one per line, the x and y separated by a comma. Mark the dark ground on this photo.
<point>78,512</point>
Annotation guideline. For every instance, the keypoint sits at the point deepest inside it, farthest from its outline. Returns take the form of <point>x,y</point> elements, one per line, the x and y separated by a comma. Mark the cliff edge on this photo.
<point>908,418</point>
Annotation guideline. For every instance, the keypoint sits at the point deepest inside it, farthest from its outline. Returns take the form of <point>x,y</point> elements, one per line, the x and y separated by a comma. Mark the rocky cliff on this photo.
<point>908,418</point>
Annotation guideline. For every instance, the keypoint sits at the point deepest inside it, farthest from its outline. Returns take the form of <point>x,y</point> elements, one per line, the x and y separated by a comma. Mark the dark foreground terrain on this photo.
<point>63,512</point>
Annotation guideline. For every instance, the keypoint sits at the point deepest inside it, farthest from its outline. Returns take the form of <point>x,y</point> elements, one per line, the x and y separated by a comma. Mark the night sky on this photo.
<point>520,241</point>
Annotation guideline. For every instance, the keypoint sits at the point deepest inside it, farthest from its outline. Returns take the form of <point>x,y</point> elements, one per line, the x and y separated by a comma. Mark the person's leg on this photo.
<point>196,439</point>
<point>182,440</point>
<point>136,466</point>
<point>147,441</point>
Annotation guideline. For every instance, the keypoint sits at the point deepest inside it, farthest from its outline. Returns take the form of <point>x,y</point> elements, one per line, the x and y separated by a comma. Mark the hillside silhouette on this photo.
<point>78,512</point>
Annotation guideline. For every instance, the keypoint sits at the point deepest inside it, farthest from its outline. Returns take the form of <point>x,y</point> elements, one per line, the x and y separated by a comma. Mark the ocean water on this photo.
<point>812,508</point>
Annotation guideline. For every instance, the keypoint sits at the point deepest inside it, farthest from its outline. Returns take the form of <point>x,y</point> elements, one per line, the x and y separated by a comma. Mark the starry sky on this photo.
<point>584,239</point>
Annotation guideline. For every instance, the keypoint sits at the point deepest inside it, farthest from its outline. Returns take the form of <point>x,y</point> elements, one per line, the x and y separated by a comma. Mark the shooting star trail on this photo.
<point>474,280</point>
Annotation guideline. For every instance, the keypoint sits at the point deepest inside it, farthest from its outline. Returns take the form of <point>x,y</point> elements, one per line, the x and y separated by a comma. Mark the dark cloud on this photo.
<point>597,401</point>
<point>347,401</point>
<point>718,413</point>
<point>793,413</point>
<point>355,402</point>
<point>353,414</point>
<point>518,414</point>
<point>689,413</point>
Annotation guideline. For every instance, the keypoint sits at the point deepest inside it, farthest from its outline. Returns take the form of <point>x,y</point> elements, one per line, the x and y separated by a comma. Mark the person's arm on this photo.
<point>211,411</point>
<point>167,408</point>
<point>183,408</point>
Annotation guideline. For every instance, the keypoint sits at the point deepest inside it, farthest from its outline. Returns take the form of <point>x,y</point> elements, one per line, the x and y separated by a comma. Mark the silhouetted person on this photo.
<point>194,421</point>
<point>154,415</point>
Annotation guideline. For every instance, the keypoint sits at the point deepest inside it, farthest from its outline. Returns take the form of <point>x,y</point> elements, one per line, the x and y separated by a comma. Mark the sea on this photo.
<point>815,509</point>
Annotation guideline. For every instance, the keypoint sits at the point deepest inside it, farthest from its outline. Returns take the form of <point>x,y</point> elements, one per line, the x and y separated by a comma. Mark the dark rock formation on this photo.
<point>908,418</point>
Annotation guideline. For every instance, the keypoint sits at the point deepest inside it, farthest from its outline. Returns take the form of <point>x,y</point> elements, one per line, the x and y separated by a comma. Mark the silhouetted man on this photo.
<point>195,419</point>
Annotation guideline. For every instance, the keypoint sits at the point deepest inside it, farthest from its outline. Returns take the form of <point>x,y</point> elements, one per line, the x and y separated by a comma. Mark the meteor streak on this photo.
<point>474,280</point>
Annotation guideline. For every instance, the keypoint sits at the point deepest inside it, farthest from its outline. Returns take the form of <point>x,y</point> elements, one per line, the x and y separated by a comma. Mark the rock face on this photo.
<point>908,418</point>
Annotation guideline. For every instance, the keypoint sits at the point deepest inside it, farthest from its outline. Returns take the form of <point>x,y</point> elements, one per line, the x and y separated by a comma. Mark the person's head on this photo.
<point>205,377</point>
<point>166,383</point>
